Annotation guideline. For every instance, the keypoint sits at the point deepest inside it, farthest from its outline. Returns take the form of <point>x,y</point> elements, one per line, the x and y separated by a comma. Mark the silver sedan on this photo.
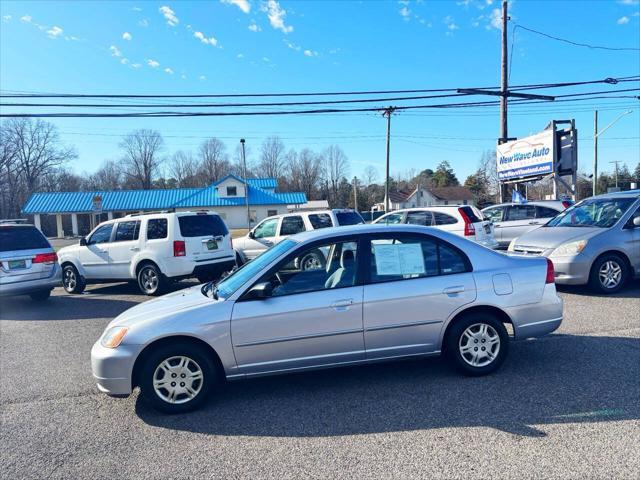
<point>384,292</point>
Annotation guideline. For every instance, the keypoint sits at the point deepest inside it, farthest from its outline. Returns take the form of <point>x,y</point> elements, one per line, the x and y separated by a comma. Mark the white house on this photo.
<point>426,197</point>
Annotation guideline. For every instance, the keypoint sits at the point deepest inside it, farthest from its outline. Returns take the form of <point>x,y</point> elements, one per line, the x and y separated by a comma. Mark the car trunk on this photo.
<point>25,254</point>
<point>205,237</point>
<point>483,228</point>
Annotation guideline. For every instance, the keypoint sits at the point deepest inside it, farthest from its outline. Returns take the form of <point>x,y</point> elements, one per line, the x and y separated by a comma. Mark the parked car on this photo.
<point>151,249</point>
<point>463,220</point>
<point>595,242</point>
<point>274,229</point>
<point>28,263</point>
<point>386,292</point>
<point>510,220</point>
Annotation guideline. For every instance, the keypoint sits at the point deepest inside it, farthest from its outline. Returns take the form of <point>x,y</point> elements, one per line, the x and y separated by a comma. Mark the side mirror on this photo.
<point>251,234</point>
<point>259,291</point>
<point>83,242</point>
<point>636,221</point>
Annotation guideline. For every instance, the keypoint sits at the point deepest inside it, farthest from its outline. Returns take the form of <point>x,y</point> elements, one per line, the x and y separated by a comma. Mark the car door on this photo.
<point>313,317</point>
<point>496,216</point>
<point>519,220</point>
<point>94,256</point>
<point>414,283</point>
<point>125,245</point>
<point>261,237</point>
<point>635,241</point>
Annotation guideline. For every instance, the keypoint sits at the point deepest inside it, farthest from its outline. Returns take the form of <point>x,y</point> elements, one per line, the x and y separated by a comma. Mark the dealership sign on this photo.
<point>527,157</point>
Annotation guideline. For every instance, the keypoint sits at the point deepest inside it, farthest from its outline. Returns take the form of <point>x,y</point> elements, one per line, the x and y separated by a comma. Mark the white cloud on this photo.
<point>451,24</point>
<point>265,59</point>
<point>254,27</point>
<point>276,15</point>
<point>168,70</point>
<point>124,61</point>
<point>183,76</point>
<point>202,77</point>
<point>243,5</point>
<point>6,18</point>
<point>153,63</point>
<point>127,36</point>
<point>310,53</point>
<point>115,52</point>
<point>495,20</point>
<point>623,20</point>
<point>144,22</point>
<point>405,13</point>
<point>292,46</point>
<point>240,55</point>
<point>136,9</point>
<point>635,14</point>
<point>136,65</point>
<point>629,2</point>
<point>169,15</point>
<point>207,41</point>
<point>26,18</point>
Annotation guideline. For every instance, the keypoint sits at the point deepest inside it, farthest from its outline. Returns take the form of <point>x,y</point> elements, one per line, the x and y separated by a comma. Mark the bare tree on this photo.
<point>8,175</point>
<point>272,157</point>
<point>37,149</point>
<point>336,167</point>
<point>107,177</point>
<point>308,171</point>
<point>184,169</point>
<point>370,175</point>
<point>214,161</point>
<point>142,159</point>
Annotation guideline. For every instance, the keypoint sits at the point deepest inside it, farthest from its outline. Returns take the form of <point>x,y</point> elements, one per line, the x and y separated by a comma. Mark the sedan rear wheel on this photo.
<point>177,378</point>
<point>477,344</point>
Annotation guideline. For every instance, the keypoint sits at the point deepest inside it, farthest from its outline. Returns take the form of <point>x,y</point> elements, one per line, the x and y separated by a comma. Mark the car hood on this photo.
<point>164,307</point>
<point>553,237</point>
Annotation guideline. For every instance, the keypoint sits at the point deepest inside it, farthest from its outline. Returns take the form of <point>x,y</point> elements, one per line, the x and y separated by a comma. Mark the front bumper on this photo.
<point>571,270</point>
<point>112,368</point>
<point>32,286</point>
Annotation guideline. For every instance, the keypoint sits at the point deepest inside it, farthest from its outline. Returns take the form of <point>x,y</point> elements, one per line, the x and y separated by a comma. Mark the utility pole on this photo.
<point>595,153</point>
<point>615,162</point>
<point>388,111</point>
<point>355,193</point>
<point>504,77</point>
<point>246,183</point>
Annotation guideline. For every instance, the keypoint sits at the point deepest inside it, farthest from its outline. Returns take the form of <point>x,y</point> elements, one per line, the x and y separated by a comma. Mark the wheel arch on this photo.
<point>77,265</point>
<point>141,263</point>
<point>170,340</point>
<point>477,309</point>
<point>620,253</point>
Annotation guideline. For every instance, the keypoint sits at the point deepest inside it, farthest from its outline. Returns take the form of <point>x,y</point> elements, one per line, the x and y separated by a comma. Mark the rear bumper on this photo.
<point>182,267</point>
<point>32,286</point>
<point>538,319</point>
<point>112,368</point>
<point>214,270</point>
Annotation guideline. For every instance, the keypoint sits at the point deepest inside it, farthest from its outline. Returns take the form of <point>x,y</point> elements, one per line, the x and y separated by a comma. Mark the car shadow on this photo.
<point>630,290</point>
<point>131,288</point>
<point>559,379</point>
<point>61,307</point>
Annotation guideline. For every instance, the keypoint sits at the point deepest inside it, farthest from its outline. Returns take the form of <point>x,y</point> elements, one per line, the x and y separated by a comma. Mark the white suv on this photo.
<point>152,249</point>
<point>463,220</point>
<point>274,229</point>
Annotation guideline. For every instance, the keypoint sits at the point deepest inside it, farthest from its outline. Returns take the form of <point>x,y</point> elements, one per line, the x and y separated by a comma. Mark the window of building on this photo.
<point>127,231</point>
<point>156,228</point>
<point>292,225</point>
<point>271,213</point>
<point>232,191</point>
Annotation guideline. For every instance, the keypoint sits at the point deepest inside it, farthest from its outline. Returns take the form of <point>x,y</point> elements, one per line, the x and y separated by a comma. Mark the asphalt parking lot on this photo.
<point>564,406</point>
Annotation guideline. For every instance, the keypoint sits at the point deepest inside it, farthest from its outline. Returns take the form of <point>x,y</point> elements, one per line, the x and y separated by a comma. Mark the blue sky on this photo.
<point>234,46</point>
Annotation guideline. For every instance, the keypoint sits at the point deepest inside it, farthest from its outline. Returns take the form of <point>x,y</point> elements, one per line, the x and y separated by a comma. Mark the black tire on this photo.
<point>313,260</point>
<point>72,281</point>
<point>151,281</point>
<point>454,344</point>
<point>40,296</point>
<point>598,282</point>
<point>151,370</point>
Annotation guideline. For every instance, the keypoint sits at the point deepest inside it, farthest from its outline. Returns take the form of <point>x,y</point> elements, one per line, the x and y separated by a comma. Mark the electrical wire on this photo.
<point>577,44</point>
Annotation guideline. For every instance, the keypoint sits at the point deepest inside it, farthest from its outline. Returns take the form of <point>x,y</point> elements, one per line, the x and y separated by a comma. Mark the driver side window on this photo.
<point>317,268</point>
<point>266,229</point>
<point>101,235</point>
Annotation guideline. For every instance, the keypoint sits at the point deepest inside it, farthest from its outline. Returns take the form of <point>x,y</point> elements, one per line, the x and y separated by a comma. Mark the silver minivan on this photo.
<point>28,263</point>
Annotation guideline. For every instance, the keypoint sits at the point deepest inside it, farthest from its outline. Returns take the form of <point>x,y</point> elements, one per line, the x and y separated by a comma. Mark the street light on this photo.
<point>595,145</point>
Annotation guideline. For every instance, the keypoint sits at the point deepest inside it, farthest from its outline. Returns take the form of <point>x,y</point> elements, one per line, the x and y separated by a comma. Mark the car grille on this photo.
<point>526,250</point>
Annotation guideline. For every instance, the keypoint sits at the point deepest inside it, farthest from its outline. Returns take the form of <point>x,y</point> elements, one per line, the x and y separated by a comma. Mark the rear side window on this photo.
<point>127,231</point>
<point>494,214</point>
<point>451,261</point>
<point>320,220</point>
<point>391,219</point>
<point>156,228</point>
<point>292,225</point>
<point>545,212</point>
<point>521,212</point>
<point>349,218</point>
<point>443,219</point>
<point>21,238</point>
<point>419,218</point>
<point>202,226</point>
<point>470,212</point>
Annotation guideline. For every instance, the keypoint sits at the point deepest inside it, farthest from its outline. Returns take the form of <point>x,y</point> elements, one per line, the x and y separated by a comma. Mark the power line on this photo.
<point>578,44</point>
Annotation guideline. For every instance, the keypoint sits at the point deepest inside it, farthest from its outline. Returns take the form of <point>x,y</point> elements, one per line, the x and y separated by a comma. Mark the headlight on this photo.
<point>568,249</point>
<point>113,337</point>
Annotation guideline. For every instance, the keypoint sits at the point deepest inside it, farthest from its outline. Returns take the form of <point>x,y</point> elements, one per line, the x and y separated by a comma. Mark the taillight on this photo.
<point>566,204</point>
<point>469,227</point>
<point>551,276</point>
<point>45,258</point>
<point>179,248</point>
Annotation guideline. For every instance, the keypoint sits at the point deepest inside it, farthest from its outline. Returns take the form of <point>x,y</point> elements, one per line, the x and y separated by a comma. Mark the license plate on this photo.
<point>487,229</point>
<point>212,245</point>
<point>15,264</point>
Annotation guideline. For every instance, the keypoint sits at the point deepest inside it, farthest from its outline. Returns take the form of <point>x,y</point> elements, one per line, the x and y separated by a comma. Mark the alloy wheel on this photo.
<point>479,344</point>
<point>149,279</point>
<point>178,380</point>
<point>610,274</point>
<point>70,280</point>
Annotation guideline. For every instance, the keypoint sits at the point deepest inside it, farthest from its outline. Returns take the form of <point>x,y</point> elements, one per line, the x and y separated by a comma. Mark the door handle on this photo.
<point>101,251</point>
<point>497,225</point>
<point>534,223</point>
<point>453,290</point>
<point>342,304</point>
<point>134,249</point>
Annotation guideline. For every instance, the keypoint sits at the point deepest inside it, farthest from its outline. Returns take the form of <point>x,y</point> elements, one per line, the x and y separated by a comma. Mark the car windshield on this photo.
<point>602,213</point>
<point>238,278</point>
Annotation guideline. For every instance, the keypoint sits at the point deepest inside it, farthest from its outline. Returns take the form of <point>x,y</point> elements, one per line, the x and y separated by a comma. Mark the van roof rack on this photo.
<point>149,213</point>
<point>14,220</point>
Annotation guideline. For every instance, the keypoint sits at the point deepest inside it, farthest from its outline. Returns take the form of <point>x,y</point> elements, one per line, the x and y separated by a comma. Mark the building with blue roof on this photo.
<point>235,199</point>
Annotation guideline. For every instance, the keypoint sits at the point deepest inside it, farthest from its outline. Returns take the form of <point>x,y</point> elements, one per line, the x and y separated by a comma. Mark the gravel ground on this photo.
<point>566,406</point>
